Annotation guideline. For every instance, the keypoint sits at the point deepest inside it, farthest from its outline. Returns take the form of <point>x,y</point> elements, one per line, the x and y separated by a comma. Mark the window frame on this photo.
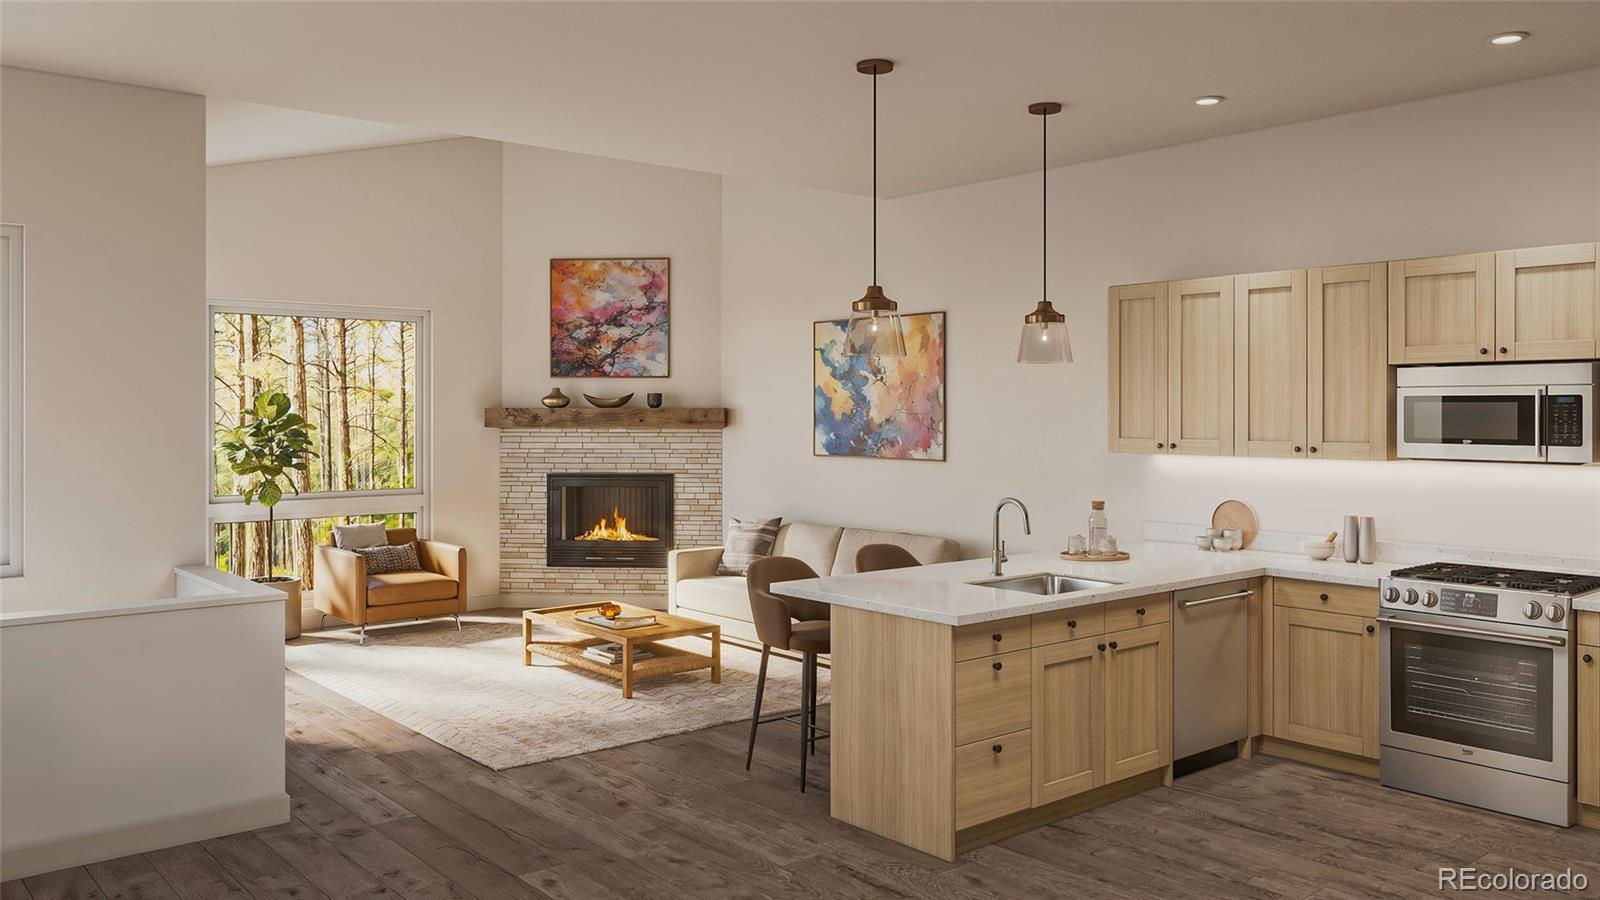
<point>222,510</point>
<point>13,405</point>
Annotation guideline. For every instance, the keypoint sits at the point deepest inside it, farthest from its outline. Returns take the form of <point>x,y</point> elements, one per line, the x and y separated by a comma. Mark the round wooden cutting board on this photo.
<point>1236,514</point>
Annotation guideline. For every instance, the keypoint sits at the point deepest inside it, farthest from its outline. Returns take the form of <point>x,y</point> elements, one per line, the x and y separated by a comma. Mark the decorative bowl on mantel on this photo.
<point>608,402</point>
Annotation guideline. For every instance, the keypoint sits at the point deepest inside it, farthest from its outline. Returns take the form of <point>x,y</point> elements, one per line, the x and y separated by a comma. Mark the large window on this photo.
<point>11,284</point>
<point>359,376</point>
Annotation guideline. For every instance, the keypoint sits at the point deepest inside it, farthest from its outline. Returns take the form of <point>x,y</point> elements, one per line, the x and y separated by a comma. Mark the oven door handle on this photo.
<point>1458,629</point>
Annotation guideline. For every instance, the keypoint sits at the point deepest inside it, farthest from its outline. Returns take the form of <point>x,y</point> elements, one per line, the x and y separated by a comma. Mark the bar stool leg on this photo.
<point>755,717</point>
<point>805,719</point>
<point>811,700</point>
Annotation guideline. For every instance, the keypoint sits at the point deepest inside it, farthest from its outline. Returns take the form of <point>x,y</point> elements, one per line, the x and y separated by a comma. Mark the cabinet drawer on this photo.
<point>1344,599</point>
<point>993,695</point>
<point>1069,624</point>
<point>1136,612</point>
<point>989,638</point>
<point>993,778</point>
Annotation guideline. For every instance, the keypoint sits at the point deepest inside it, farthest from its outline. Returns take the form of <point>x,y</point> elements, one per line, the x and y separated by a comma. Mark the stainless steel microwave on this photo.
<point>1507,412</point>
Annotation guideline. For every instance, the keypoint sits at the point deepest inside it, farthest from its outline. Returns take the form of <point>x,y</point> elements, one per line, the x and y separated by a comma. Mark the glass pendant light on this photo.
<point>1044,331</point>
<point>875,328</point>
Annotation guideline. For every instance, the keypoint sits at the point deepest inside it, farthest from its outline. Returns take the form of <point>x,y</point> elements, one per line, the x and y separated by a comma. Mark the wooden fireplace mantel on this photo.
<point>626,417</point>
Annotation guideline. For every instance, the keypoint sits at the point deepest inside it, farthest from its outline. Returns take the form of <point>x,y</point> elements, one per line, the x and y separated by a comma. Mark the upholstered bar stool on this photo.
<point>787,623</point>
<point>879,557</point>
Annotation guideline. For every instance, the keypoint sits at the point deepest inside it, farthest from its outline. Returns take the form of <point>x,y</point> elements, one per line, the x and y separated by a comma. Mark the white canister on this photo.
<point>1352,532</point>
<point>1369,540</point>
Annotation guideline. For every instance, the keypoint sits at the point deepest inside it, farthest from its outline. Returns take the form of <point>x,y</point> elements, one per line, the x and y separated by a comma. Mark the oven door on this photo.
<point>1484,693</point>
<point>1485,422</point>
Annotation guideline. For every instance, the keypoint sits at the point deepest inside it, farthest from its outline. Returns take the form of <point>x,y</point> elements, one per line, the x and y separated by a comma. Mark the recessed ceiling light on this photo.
<point>1507,38</point>
<point>1209,100</point>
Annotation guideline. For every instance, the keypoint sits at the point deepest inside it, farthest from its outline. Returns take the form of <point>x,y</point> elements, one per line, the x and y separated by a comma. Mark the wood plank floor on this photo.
<point>382,811</point>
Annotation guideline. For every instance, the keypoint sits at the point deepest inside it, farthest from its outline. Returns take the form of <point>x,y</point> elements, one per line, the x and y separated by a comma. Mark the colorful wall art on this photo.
<point>608,318</point>
<point>880,407</point>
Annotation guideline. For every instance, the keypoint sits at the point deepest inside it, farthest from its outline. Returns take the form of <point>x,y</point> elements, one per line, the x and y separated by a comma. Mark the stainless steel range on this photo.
<point>1477,686</point>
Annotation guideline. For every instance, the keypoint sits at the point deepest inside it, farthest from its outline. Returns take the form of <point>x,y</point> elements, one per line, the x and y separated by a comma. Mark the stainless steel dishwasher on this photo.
<point>1211,667</point>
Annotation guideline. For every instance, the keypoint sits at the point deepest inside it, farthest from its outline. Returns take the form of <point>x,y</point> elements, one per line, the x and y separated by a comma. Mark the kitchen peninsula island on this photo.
<point>964,711</point>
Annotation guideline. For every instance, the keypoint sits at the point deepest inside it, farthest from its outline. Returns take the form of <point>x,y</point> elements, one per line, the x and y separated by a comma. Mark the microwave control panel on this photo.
<point>1565,423</point>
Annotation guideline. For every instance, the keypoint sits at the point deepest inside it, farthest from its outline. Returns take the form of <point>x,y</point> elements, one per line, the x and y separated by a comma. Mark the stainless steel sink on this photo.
<point>1044,583</point>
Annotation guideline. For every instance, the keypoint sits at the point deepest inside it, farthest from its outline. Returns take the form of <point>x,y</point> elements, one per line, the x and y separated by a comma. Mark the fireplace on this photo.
<point>608,521</point>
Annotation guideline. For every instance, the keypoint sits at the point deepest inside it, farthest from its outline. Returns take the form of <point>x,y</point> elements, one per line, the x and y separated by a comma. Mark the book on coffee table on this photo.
<point>620,622</point>
<point>611,654</point>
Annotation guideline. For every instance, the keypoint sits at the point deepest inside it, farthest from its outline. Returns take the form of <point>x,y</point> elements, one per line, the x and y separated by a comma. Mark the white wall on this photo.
<point>570,205</point>
<point>414,226</point>
<point>108,181</point>
<point>1509,166</point>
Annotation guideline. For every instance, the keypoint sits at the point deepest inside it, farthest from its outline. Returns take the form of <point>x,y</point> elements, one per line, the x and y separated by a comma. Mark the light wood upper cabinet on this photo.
<point>1068,755</point>
<point>1137,394</point>
<point>1200,366</point>
<point>1325,680</point>
<point>1350,390</point>
<point>1442,309</point>
<point>1547,303</point>
<point>1137,715</point>
<point>1269,364</point>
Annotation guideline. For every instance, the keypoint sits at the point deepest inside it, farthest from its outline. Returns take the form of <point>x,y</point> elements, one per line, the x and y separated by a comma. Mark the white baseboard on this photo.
<point>36,859</point>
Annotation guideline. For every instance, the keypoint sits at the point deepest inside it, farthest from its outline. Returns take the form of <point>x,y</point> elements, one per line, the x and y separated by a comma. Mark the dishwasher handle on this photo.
<point>1189,604</point>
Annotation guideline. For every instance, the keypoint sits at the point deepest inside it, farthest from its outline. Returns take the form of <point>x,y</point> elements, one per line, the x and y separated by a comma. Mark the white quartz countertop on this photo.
<point>943,593</point>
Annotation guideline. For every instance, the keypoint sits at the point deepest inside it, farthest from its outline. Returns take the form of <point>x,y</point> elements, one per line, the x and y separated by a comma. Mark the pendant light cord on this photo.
<point>874,174</point>
<point>1044,208</point>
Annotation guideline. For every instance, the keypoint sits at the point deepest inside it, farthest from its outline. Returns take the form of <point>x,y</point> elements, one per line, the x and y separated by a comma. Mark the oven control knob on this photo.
<point>1430,599</point>
<point>1411,596</point>
<point>1532,609</point>
<point>1556,612</point>
<point>1391,595</point>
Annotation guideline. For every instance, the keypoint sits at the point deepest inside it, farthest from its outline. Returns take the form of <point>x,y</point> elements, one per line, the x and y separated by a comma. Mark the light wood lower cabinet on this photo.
<point>993,696</point>
<point>1325,680</point>
<point>1136,717</point>
<point>1589,722</point>
<point>992,778</point>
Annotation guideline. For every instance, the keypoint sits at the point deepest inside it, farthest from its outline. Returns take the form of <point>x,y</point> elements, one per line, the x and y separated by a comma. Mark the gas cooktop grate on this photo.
<point>1504,578</point>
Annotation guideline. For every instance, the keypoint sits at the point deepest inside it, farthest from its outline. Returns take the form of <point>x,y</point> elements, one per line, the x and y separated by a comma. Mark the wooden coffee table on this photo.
<point>664,660</point>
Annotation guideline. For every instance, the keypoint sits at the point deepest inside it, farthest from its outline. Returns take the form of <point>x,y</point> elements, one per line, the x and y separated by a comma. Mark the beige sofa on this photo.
<point>694,588</point>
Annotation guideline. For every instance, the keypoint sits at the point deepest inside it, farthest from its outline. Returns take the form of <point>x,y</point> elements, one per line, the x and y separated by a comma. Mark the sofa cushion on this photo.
<point>722,595</point>
<point>926,548</point>
<point>815,545</point>
<point>354,537</point>
<point>409,587</point>
<point>746,542</point>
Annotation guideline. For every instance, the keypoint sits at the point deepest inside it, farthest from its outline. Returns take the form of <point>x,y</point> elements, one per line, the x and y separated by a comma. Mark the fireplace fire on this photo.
<point>592,520</point>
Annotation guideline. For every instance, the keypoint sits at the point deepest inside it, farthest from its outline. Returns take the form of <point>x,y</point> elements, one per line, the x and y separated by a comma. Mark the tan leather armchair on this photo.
<point>345,591</point>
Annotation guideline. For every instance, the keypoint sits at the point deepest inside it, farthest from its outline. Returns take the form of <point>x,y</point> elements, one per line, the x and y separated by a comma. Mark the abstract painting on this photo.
<point>879,407</point>
<point>608,318</point>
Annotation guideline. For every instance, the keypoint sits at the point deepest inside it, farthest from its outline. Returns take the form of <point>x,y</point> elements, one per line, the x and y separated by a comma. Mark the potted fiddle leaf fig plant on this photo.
<point>265,450</point>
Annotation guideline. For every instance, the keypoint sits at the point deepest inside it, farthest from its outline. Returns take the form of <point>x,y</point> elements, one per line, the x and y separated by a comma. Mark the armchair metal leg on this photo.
<point>457,617</point>
<point>755,717</point>
<point>322,621</point>
<point>363,639</point>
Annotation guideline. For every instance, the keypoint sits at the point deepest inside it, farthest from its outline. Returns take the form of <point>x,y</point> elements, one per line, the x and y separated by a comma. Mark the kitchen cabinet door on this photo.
<point>1200,366</point>
<point>1137,393</point>
<point>1137,716</point>
<point>1326,680</point>
<point>1269,364</point>
<point>1589,725</point>
<point>1441,309</point>
<point>1068,754</point>
<point>1350,390</point>
<point>1547,303</point>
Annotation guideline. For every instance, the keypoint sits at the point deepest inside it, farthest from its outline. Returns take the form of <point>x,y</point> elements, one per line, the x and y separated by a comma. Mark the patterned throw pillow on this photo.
<point>747,542</point>
<point>391,558</point>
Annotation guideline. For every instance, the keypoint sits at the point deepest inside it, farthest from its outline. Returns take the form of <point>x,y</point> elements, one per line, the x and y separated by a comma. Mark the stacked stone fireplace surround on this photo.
<point>693,456</point>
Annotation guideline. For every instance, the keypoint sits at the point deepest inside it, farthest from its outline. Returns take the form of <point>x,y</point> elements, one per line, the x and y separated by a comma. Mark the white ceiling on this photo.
<point>768,89</point>
<point>244,132</point>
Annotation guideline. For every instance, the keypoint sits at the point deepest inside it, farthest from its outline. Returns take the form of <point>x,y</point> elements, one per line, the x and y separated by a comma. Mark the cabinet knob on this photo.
<point>1483,351</point>
<point>1140,611</point>
<point>1160,445</point>
<point>1588,657</point>
<point>1172,446</point>
<point>1323,597</point>
<point>1072,623</point>
<point>1297,448</point>
<point>998,666</point>
<point>996,637</point>
<point>1504,350</point>
<point>1113,645</point>
<point>997,747</point>
<point>1101,647</point>
<point>1371,629</point>
<point>1313,449</point>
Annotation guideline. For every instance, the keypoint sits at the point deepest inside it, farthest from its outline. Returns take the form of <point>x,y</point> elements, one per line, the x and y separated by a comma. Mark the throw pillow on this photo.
<point>354,537</point>
<point>391,558</point>
<point>747,542</point>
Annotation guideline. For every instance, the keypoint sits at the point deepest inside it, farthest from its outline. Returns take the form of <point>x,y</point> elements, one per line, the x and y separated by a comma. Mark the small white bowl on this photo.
<point>1319,549</point>
<point>1203,541</point>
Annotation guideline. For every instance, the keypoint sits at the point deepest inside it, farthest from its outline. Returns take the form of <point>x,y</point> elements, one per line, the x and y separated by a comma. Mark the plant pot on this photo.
<point>291,602</point>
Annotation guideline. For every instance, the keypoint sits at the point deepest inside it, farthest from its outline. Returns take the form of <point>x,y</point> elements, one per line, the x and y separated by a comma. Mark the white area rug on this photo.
<point>469,691</point>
